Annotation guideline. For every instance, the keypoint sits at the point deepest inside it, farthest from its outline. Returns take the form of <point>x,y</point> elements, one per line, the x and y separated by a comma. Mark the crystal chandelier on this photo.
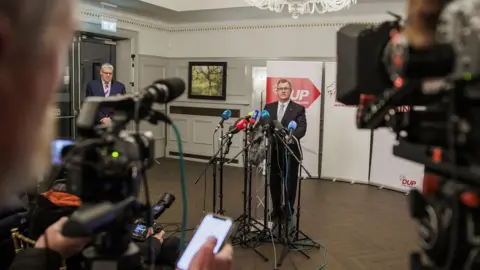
<point>300,7</point>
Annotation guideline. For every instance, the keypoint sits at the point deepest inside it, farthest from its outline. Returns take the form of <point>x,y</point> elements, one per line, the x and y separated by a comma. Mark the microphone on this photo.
<point>254,117</point>
<point>225,116</point>
<point>163,203</point>
<point>292,126</point>
<point>266,119</point>
<point>241,125</point>
<point>164,91</point>
<point>278,126</point>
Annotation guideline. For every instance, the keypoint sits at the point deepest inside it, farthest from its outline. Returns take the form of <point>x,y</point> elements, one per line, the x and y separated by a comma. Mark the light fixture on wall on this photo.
<point>300,7</point>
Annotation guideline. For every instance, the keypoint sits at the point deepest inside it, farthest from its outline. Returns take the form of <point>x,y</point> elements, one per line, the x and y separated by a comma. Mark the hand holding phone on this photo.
<point>206,259</point>
<point>202,248</point>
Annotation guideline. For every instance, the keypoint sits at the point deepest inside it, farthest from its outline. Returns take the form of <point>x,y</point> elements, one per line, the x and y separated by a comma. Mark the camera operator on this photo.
<point>57,203</point>
<point>34,41</point>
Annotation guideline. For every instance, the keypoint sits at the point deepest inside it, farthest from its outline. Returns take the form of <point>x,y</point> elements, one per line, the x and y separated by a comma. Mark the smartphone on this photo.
<point>212,225</point>
<point>57,146</point>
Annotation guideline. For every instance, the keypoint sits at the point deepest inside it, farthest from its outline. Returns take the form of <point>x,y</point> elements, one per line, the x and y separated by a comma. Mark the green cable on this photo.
<point>184,187</point>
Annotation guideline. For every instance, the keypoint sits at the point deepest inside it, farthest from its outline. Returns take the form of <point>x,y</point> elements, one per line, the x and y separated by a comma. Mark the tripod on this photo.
<point>245,221</point>
<point>290,240</point>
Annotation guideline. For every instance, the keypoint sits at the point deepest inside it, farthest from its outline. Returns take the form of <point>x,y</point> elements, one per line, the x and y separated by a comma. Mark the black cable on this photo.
<point>143,174</point>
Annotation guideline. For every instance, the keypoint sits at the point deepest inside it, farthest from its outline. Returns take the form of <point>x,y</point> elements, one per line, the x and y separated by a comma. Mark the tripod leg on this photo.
<point>282,257</point>
<point>214,203</point>
<point>294,247</point>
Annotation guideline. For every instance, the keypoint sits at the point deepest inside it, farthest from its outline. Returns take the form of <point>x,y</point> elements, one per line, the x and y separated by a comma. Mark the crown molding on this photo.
<point>123,19</point>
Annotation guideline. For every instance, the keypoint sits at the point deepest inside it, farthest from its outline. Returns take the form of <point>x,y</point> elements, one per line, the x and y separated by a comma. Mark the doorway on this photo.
<point>87,55</point>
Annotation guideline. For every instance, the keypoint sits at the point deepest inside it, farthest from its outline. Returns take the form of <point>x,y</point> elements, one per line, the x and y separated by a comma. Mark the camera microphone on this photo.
<point>164,91</point>
<point>163,203</point>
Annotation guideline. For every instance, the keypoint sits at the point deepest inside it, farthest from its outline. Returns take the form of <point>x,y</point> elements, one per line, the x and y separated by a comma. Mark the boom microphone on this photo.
<point>225,116</point>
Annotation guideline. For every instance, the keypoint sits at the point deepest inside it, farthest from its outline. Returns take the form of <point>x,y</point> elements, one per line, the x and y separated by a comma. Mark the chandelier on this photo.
<point>300,7</point>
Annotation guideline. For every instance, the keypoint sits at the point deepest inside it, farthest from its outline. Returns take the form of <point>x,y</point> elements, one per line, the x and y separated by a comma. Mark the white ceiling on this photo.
<point>206,11</point>
<point>192,5</point>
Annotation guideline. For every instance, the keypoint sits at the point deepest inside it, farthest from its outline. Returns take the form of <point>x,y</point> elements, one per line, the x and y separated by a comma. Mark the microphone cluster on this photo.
<point>261,118</point>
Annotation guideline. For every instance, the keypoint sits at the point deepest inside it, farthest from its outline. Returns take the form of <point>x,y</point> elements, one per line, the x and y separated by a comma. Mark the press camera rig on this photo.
<point>105,169</point>
<point>430,63</point>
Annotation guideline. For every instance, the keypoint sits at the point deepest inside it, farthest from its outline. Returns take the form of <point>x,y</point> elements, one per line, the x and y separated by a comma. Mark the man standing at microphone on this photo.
<point>285,110</point>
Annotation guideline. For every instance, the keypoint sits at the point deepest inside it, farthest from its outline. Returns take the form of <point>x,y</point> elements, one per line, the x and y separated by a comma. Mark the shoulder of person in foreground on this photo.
<point>36,259</point>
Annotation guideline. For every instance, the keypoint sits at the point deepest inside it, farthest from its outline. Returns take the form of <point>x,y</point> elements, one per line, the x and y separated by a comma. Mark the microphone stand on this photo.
<point>222,160</point>
<point>266,234</point>
<point>213,163</point>
<point>288,243</point>
<point>246,222</point>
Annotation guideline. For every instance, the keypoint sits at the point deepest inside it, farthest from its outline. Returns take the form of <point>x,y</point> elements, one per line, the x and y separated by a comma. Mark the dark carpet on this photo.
<point>361,226</point>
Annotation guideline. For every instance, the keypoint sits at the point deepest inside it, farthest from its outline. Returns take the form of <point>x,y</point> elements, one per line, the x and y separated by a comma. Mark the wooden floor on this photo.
<point>362,227</point>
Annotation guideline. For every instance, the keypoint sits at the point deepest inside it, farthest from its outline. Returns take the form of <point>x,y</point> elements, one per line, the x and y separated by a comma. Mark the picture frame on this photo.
<point>207,80</point>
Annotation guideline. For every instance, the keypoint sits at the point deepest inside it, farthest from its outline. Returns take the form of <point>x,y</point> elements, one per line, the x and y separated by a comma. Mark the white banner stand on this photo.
<point>306,80</point>
<point>345,149</point>
<point>389,171</point>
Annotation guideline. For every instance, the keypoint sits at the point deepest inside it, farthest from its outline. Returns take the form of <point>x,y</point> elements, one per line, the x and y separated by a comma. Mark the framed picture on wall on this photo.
<point>207,80</point>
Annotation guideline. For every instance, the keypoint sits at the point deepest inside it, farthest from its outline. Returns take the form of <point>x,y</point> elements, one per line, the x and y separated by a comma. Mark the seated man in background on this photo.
<point>105,87</point>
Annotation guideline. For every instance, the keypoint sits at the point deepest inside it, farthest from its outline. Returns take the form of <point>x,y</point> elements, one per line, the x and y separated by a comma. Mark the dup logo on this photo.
<point>406,182</point>
<point>304,92</point>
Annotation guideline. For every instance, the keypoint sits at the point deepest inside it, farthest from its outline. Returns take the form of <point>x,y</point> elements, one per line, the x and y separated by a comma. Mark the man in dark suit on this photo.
<point>284,111</point>
<point>105,87</point>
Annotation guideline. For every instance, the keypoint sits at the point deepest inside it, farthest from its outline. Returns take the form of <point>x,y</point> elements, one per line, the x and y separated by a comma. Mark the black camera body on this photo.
<point>379,70</point>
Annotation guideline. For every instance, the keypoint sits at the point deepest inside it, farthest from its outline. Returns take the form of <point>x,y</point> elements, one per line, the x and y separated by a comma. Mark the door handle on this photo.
<point>65,117</point>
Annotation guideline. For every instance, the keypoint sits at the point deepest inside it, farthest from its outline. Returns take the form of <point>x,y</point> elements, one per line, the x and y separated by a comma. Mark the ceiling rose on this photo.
<point>300,7</point>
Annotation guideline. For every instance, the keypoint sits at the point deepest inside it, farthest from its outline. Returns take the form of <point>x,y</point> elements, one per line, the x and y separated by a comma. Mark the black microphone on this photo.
<point>164,91</point>
<point>163,203</point>
<point>278,127</point>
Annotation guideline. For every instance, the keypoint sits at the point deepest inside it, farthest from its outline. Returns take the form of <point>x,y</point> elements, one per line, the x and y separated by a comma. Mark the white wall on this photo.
<point>152,35</point>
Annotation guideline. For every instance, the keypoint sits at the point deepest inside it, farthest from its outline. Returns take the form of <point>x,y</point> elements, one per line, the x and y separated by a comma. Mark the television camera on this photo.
<point>429,63</point>
<point>105,168</point>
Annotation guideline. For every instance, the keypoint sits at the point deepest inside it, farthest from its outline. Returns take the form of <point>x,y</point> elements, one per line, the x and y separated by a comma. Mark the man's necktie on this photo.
<point>281,112</point>
<point>107,89</point>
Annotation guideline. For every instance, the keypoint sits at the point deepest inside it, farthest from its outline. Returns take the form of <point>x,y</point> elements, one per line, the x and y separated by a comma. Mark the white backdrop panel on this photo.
<point>306,79</point>
<point>345,149</point>
<point>390,171</point>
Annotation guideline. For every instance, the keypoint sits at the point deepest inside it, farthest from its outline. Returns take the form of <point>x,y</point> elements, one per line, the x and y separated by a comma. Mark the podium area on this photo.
<point>363,228</point>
